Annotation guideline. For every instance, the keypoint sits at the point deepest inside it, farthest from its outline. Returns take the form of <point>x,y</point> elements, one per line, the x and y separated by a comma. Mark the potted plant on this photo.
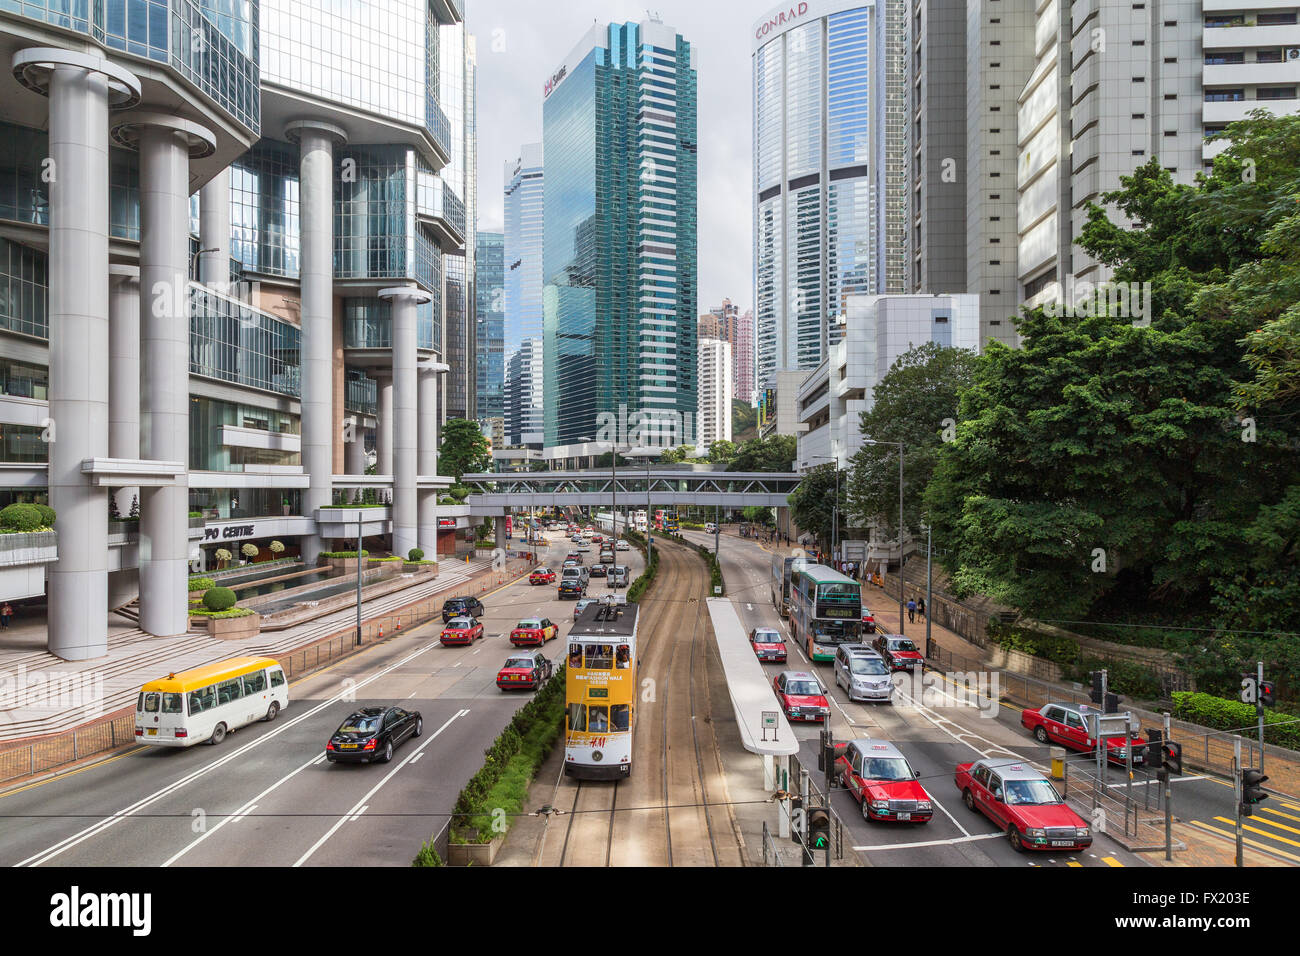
<point>277,548</point>
<point>284,505</point>
<point>249,551</point>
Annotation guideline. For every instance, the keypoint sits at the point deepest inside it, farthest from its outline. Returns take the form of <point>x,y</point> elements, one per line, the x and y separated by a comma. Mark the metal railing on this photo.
<point>771,852</point>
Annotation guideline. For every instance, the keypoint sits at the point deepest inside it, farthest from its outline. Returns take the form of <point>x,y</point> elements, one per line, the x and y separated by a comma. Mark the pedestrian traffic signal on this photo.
<point>819,828</point>
<point>1172,758</point>
<point>1252,789</point>
<point>1112,703</point>
<point>1266,698</point>
<point>1155,749</point>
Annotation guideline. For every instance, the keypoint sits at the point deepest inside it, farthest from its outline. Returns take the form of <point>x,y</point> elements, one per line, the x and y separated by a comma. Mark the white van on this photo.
<point>710,528</point>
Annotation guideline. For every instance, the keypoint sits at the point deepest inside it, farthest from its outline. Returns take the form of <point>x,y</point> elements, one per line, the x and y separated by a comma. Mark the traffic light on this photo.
<point>1155,749</point>
<point>1172,758</point>
<point>1112,703</point>
<point>819,828</point>
<point>1266,698</point>
<point>1094,695</point>
<point>1252,790</point>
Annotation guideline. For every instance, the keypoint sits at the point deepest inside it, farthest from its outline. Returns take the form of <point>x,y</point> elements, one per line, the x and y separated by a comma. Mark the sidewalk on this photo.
<point>84,691</point>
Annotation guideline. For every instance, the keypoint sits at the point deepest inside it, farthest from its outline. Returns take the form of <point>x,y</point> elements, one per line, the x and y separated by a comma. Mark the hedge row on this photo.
<point>202,584</point>
<point>501,785</point>
<point>343,554</point>
<point>710,559</point>
<point>198,611</point>
<point>1219,713</point>
<point>638,587</point>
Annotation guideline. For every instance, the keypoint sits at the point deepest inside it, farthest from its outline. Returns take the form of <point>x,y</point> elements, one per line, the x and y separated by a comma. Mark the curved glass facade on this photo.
<point>818,99</point>
<point>368,324</point>
<point>211,43</point>
<point>264,209</point>
<point>525,395</point>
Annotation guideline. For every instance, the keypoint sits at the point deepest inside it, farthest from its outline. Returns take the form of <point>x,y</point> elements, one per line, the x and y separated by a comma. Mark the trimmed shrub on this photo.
<point>222,615</point>
<point>1219,713</point>
<point>223,555</point>
<point>47,515</point>
<point>249,550</point>
<point>343,554</point>
<point>414,555</point>
<point>20,517</point>
<point>277,547</point>
<point>202,584</point>
<point>219,599</point>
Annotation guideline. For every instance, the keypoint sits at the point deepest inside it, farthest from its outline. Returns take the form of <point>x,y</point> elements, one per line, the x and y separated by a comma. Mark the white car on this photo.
<point>623,545</point>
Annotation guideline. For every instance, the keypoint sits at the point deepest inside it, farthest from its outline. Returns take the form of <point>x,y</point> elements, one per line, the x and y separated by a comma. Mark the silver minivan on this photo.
<point>863,673</point>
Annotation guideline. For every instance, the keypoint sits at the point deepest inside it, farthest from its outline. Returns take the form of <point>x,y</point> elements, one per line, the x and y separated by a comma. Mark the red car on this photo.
<point>899,652</point>
<point>768,644</point>
<point>1021,801</point>
<point>534,630</point>
<point>524,671</point>
<point>1066,724</point>
<point>461,630</point>
<point>542,576</point>
<point>801,696</point>
<point>868,622</point>
<point>882,781</point>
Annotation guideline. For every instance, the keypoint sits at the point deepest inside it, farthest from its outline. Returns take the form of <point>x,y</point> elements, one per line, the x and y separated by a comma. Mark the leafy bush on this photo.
<point>343,554</point>
<point>202,584</point>
<point>21,517</point>
<point>47,515</point>
<point>219,599</point>
<point>249,550</point>
<point>222,615</point>
<point>196,514</point>
<point>1219,713</point>
<point>414,555</point>
<point>427,856</point>
<point>1126,677</point>
<point>277,547</point>
<point>223,555</point>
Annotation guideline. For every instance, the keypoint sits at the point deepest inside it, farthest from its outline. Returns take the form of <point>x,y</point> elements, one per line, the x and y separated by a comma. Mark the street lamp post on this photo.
<point>873,441</point>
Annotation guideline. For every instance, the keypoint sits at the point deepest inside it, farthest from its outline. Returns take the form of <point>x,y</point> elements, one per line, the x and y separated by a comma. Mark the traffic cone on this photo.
<point>381,632</point>
<point>399,623</point>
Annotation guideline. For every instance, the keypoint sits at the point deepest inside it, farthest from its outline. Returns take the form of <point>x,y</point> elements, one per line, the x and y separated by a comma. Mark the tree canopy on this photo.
<point>464,448</point>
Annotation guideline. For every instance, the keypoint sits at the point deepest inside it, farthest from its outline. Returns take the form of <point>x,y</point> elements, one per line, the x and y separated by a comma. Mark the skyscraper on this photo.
<point>713,415</point>
<point>829,187</point>
<point>620,257</point>
<point>525,391</point>
<point>489,316</point>
<point>737,329</point>
<point>457,71</point>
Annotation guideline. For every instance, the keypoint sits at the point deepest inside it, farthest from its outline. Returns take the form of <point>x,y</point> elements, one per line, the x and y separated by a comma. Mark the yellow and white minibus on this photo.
<point>207,703</point>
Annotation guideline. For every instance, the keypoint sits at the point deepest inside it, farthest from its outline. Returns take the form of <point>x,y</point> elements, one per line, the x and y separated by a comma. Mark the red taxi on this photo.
<point>534,630</point>
<point>899,652</point>
<point>882,781</point>
<point>461,630</point>
<point>768,644</point>
<point>868,621</point>
<point>1021,801</point>
<point>524,671</point>
<point>801,696</point>
<point>1067,725</point>
<point>542,576</point>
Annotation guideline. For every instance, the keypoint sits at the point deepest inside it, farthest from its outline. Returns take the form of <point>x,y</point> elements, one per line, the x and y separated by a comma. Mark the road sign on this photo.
<point>769,722</point>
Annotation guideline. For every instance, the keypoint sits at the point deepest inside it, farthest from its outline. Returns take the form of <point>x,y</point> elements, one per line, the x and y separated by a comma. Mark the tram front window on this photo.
<point>600,656</point>
<point>577,718</point>
<point>621,715</point>
<point>598,719</point>
<point>575,656</point>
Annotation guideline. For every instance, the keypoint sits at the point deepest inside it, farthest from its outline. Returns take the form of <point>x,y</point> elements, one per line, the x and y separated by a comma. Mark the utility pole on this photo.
<point>1099,743</point>
<point>1237,792</point>
<point>900,539</point>
<point>929,584</point>
<point>359,514</point>
<point>1169,813</point>
<point>1259,708</point>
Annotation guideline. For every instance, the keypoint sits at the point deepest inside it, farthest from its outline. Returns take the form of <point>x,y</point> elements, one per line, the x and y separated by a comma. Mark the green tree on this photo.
<point>722,451</point>
<point>812,503</point>
<point>744,421</point>
<point>464,448</point>
<point>915,403</point>
<point>773,453</point>
<point>755,514</point>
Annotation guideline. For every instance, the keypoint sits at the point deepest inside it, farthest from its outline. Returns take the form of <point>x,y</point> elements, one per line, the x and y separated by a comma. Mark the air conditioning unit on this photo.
<point>1293,54</point>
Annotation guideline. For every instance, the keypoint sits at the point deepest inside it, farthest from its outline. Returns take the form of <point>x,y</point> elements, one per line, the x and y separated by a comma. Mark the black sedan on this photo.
<point>461,607</point>
<point>372,733</point>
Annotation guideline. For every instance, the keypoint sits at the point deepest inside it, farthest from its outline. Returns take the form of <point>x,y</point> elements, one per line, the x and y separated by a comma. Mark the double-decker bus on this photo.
<point>825,610</point>
<point>600,691</point>
<point>782,568</point>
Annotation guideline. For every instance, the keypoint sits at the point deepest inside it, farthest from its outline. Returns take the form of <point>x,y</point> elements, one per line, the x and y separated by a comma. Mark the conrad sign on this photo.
<point>780,19</point>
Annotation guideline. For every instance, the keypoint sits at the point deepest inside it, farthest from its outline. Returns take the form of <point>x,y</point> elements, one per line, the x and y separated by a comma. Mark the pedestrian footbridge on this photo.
<point>496,494</point>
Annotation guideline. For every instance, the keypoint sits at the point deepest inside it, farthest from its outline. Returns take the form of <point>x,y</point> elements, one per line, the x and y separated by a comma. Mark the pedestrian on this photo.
<point>911,610</point>
<point>6,613</point>
<point>920,607</point>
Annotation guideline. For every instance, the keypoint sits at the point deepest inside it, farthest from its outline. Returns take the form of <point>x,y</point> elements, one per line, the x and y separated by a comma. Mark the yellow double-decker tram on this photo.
<point>600,690</point>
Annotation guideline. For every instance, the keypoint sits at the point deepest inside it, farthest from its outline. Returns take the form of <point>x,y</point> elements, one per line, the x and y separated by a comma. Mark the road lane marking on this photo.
<point>242,811</point>
<point>936,803</point>
<point>357,816</point>
<point>362,804</point>
<point>1263,847</point>
<point>81,836</point>
<point>1271,836</point>
<point>1111,861</point>
<point>1073,863</point>
<point>1279,813</point>
<point>1274,823</point>
<point>948,842</point>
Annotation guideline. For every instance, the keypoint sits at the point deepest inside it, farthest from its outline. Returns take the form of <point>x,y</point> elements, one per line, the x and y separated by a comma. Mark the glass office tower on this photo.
<point>490,314</point>
<point>525,391</point>
<point>620,259</point>
<point>822,151</point>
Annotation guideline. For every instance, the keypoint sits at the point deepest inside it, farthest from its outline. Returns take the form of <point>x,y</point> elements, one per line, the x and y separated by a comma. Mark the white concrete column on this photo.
<point>82,88</point>
<point>384,428</point>
<point>214,232</point>
<point>166,144</point>
<point>316,142</point>
<point>124,372</point>
<point>405,441</point>
<point>428,441</point>
<point>354,452</point>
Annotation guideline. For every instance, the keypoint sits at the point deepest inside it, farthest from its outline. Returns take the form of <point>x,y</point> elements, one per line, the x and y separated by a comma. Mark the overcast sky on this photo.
<point>522,42</point>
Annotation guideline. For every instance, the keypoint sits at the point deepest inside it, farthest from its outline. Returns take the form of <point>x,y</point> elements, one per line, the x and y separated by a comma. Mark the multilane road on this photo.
<point>267,796</point>
<point>934,734</point>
